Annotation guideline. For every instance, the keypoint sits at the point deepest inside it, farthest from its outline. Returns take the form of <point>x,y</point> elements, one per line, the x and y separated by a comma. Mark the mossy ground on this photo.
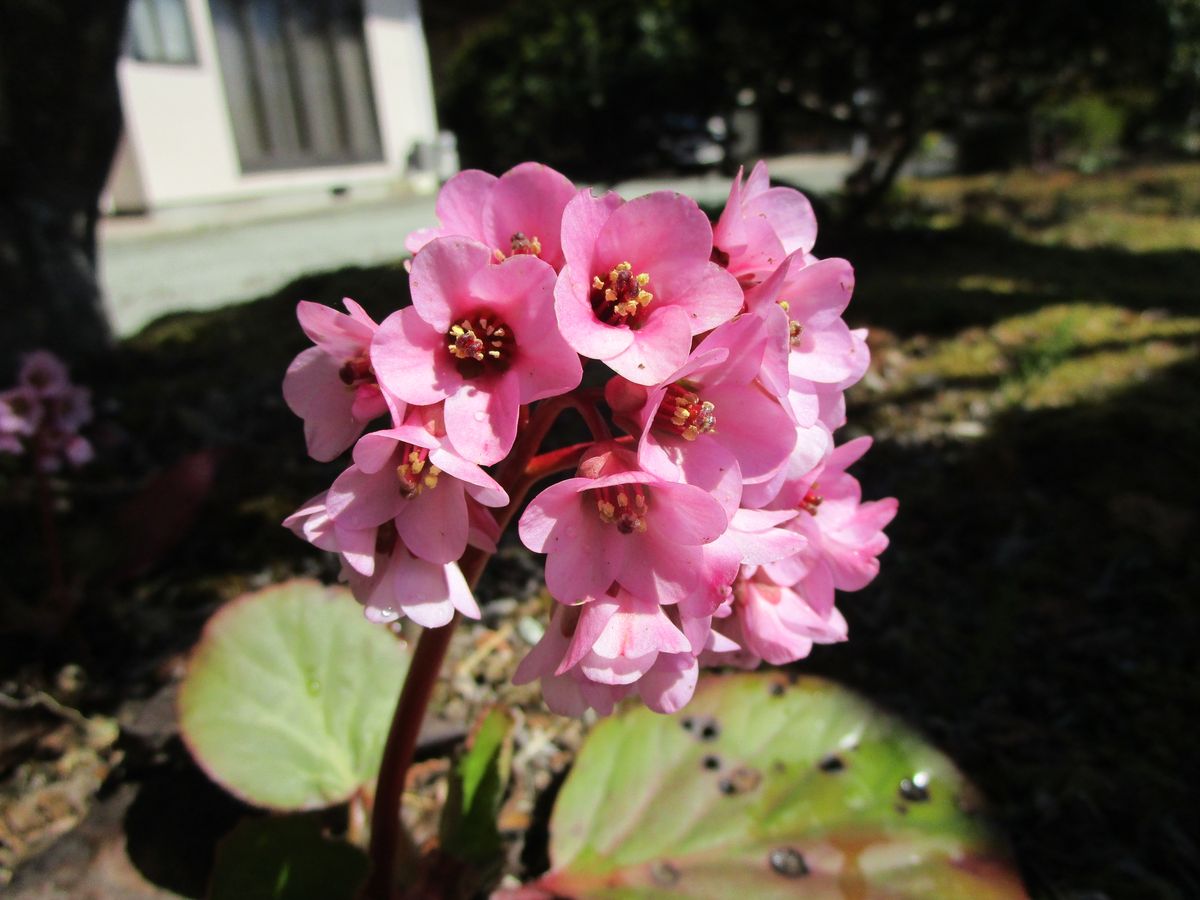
<point>1034,397</point>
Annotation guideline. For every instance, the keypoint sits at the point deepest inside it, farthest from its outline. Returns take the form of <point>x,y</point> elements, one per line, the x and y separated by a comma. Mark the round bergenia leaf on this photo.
<point>288,696</point>
<point>762,788</point>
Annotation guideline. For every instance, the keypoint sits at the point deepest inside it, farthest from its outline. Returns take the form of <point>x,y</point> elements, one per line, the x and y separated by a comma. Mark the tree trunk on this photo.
<point>60,120</point>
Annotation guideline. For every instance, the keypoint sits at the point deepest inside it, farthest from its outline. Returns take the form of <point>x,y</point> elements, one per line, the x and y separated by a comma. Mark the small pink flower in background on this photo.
<point>332,386</point>
<point>616,522</point>
<point>519,213</point>
<point>638,283</point>
<point>479,336</point>
<point>43,414</point>
<point>762,225</point>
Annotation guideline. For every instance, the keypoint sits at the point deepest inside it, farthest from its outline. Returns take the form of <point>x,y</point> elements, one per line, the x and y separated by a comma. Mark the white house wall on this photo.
<point>180,148</point>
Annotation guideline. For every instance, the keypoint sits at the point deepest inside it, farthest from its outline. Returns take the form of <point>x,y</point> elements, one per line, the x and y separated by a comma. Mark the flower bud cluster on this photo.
<point>43,414</point>
<point>715,530</point>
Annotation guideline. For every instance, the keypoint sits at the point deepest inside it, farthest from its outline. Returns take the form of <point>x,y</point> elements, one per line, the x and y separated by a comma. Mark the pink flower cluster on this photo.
<point>42,415</point>
<point>714,531</point>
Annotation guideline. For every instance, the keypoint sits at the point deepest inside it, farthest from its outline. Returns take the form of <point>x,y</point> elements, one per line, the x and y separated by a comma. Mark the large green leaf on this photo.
<point>288,696</point>
<point>762,788</point>
<point>285,858</point>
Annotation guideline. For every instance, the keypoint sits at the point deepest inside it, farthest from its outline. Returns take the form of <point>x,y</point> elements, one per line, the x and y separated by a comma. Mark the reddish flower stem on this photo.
<point>523,469</point>
<point>57,590</point>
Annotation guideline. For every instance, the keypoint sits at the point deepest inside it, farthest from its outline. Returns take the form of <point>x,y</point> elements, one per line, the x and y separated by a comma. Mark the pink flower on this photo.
<point>412,477</point>
<point>618,523</point>
<point>332,386</point>
<point>761,225</point>
<point>845,536</point>
<point>712,416</point>
<point>608,641</point>
<point>43,414</point>
<point>638,283</point>
<point>396,582</point>
<point>481,337</point>
<point>519,213</point>
<point>44,373</point>
<point>774,622</point>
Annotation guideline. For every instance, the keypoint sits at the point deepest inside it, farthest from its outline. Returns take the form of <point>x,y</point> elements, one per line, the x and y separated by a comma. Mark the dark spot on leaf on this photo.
<point>711,762</point>
<point>914,789</point>
<point>777,689</point>
<point>902,808</point>
<point>788,862</point>
<point>663,873</point>
<point>740,781</point>
<point>710,731</point>
<point>831,762</point>
<point>778,766</point>
<point>688,723</point>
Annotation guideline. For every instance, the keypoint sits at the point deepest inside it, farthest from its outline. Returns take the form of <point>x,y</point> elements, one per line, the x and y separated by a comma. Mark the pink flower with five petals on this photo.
<point>479,336</point>
<point>618,523</point>
<point>638,283</point>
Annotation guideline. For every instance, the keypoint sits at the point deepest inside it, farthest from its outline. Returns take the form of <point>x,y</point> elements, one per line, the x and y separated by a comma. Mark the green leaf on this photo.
<point>285,858</point>
<point>762,788</point>
<point>477,786</point>
<point>289,695</point>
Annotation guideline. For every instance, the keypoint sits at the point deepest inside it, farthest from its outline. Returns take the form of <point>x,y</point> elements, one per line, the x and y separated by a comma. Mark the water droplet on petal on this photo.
<point>788,862</point>
<point>381,614</point>
<point>480,416</point>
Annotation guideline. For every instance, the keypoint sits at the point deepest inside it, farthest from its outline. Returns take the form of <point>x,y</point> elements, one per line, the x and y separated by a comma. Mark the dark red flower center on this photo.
<point>415,473</point>
<point>682,412</point>
<point>811,500</point>
<point>357,371</point>
<point>624,506</point>
<point>481,343</point>
<point>621,298</point>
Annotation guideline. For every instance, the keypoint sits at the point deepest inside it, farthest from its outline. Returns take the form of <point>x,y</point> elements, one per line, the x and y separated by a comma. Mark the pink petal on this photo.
<point>314,391</point>
<point>660,229</point>
<point>338,334</point>
<point>582,221</point>
<point>405,355</point>
<point>790,214</point>
<point>658,348</point>
<point>530,199</point>
<point>441,279</point>
<point>481,418</point>
<point>670,683</point>
<point>433,524</point>
<point>708,293</point>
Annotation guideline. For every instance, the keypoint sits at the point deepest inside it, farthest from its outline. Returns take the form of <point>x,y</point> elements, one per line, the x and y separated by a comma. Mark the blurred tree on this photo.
<point>60,121</point>
<point>587,85</point>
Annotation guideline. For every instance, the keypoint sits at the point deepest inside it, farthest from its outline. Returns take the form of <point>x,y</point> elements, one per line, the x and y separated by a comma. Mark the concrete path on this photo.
<point>149,269</point>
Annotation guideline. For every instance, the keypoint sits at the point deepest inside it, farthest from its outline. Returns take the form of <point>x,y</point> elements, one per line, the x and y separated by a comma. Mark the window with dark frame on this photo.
<point>160,32</point>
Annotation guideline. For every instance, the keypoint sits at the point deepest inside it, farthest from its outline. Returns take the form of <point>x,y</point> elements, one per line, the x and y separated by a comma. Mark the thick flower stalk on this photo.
<point>709,521</point>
